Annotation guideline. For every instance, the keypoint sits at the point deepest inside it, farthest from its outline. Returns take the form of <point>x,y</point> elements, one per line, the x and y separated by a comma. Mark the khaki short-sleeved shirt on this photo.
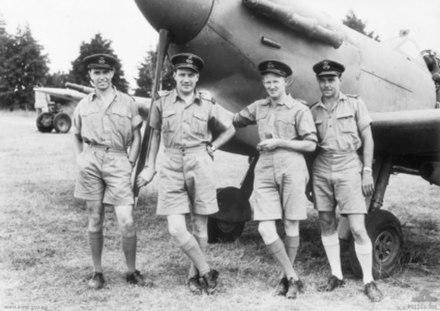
<point>288,120</point>
<point>188,125</point>
<point>110,124</point>
<point>340,126</point>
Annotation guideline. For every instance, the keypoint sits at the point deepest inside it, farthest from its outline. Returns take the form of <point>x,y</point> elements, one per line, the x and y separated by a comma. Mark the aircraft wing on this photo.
<point>60,93</point>
<point>77,92</point>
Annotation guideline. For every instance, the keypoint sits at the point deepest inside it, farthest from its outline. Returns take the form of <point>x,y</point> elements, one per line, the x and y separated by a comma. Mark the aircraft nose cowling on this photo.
<point>182,18</point>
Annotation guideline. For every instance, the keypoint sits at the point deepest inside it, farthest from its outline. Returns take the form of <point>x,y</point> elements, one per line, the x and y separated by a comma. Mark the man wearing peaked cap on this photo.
<point>100,61</point>
<point>275,67</point>
<point>340,176</point>
<point>106,126</point>
<point>328,68</point>
<point>286,131</point>
<point>188,61</point>
<point>186,118</point>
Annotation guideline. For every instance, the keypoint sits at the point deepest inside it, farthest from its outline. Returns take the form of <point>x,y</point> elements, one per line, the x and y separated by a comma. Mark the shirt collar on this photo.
<point>288,102</point>
<point>342,97</point>
<point>175,96</point>
<point>93,95</point>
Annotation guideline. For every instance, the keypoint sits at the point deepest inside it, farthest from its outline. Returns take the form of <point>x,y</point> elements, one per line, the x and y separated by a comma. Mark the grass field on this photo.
<point>45,261</point>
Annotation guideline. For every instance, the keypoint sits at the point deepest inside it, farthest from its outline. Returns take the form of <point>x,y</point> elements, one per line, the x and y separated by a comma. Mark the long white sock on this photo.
<point>331,246</point>
<point>364,254</point>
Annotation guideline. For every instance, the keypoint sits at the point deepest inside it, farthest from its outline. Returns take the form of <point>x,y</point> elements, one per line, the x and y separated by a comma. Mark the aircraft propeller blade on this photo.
<point>162,47</point>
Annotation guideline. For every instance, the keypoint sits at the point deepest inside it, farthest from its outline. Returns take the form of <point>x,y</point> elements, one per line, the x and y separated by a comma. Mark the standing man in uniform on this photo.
<point>106,144</point>
<point>286,130</point>
<point>340,176</point>
<point>187,119</point>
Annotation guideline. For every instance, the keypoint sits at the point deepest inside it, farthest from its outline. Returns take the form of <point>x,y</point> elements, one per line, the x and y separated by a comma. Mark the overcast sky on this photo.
<point>61,25</point>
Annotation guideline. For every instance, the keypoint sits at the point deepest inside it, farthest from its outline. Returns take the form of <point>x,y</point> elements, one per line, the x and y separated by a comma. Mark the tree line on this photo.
<point>23,66</point>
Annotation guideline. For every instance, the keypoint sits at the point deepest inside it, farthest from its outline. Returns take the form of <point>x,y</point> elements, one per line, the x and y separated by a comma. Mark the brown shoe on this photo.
<point>372,292</point>
<point>332,283</point>
<point>282,287</point>
<point>208,281</point>
<point>194,285</point>
<point>97,281</point>
<point>136,278</point>
<point>295,287</point>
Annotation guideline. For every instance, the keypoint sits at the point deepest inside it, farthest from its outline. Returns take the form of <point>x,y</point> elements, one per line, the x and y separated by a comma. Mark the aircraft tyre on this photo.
<point>385,233</point>
<point>45,122</point>
<point>62,122</point>
<point>221,230</point>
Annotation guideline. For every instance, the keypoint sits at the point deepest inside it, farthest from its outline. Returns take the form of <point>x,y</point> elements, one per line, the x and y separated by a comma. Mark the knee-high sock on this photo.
<point>203,244</point>
<point>331,247</point>
<point>96,241</point>
<point>278,251</point>
<point>364,254</point>
<point>192,249</point>
<point>292,245</point>
<point>129,248</point>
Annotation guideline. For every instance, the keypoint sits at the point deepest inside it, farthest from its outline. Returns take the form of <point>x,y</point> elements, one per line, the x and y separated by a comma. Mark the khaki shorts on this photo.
<point>104,176</point>
<point>338,183</point>
<point>187,183</point>
<point>281,177</point>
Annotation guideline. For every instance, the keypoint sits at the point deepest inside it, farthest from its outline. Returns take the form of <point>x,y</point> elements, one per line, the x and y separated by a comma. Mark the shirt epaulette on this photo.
<point>163,93</point>
<point>302,101</point>
<point>206,95</point>
<point>352,95</point>
<point>314,104</point>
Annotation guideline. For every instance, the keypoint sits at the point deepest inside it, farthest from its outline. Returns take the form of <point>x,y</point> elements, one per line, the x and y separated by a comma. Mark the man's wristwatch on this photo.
<point>367,169</point>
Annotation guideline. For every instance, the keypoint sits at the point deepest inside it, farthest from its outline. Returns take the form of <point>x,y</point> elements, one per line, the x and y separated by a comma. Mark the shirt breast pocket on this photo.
<point>285,126</point>
<point>169,122</point>
<point>90,122</point>
<point>121,116</point>
<point>263,127</point>
<point>347,123</point>
<point>199,124</point>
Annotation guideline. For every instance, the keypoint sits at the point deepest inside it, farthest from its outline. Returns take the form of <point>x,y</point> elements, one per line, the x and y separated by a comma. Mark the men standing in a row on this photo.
<point>105,125</point>
<point>187,119</point>
<point>286,131</point>
<point>339,175</point>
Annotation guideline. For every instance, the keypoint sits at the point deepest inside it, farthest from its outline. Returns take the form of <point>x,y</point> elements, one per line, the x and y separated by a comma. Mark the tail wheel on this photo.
<point>223,231</point>
<point>45,122</point>
<point>386,237</point>
<point>62,122</point>
<point>229,198</point>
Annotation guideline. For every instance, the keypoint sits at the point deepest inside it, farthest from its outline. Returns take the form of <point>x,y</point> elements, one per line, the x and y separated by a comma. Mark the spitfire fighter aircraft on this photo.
<point>233,36</point>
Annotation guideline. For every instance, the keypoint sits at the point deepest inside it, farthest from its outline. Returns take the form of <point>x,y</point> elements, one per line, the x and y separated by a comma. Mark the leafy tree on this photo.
<point>98,44</point>
<point>57,79</point>
<point>22,67</point>
<point>352,21</point>
<point>146,75</point>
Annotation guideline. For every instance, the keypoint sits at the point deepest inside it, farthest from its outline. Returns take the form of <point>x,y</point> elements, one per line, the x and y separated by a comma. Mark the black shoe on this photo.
<point>97,281</point>
<point>294,287</point>
<point>208,281</point>
<point>136,278</point>
<point>282,287</point>
<point>332,283</point>
<point>194,285</point>
<point>372,292</point>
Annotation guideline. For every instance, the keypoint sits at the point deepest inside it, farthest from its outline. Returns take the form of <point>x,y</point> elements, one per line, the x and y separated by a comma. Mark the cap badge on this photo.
<point>101,60</point>
<point>189,60</point>
<point>325,65</point>
<point>270,65</point>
